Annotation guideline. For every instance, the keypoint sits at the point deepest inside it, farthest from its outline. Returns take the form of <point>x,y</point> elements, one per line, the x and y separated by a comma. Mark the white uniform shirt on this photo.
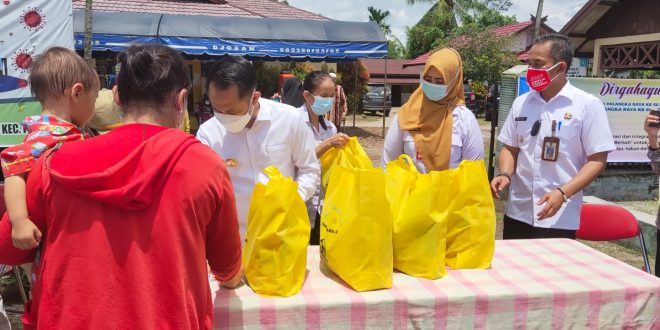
<point>584,131</point>
<point>280,137</point>
<point>320,135</point>
<point>467,142</point>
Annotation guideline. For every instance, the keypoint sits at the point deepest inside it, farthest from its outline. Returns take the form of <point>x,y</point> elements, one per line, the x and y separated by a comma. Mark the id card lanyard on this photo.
<point>551,145</point>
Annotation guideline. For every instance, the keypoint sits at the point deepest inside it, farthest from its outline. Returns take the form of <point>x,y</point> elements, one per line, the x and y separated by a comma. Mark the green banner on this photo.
<point>11,115</point>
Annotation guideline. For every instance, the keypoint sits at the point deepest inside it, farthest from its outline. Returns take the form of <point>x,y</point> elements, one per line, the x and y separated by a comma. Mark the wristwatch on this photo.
<point>505,174</point>
<point>563,194</point>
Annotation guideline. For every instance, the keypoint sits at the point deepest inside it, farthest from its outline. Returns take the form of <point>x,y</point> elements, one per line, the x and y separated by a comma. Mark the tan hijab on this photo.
<point>429,122</point>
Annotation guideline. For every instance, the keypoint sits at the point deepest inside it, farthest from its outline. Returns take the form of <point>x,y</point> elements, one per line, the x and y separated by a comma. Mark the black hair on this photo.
<point>292,93</point>
<point>561,48</point>
<point>314,79</point>
<point>233,71</point>
<point>150,74</point>
<point>311,83</point>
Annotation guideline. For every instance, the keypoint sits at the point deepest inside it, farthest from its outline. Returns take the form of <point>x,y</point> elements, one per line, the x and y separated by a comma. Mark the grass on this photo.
<point>650,207</point>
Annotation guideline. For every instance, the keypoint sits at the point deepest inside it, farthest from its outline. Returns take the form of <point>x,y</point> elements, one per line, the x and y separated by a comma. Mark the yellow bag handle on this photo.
<point>406,162</point>
<point>273,172</point>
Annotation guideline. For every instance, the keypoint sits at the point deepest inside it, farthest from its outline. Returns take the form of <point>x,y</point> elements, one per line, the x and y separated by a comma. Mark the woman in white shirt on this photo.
<point>434,127</point>
<point>319,94</point>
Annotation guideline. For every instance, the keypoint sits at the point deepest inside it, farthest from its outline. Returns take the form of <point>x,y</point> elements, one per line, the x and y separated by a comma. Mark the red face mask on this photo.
<point>539,79</point>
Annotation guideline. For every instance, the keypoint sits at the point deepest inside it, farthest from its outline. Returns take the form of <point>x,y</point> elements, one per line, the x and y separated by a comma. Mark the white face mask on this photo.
<point>234,123</point>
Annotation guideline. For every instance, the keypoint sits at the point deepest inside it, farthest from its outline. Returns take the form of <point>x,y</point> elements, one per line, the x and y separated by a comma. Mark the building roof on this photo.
<point>599,19</point>
<point>396,73</point>
<point>506,30</point>
<point>395,67</point>
<point>245,8</point>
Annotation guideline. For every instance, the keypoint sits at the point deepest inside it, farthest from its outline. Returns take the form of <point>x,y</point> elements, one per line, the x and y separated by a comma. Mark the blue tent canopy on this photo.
<point>244,36</point>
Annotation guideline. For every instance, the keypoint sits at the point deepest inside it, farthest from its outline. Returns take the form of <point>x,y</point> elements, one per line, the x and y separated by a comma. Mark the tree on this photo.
<point>432,30</point>
<point>87,45</point>
<point>395,49</point>
<point>487,19</point>
<point>443,21</point>
<point>485,55</point>
<point>380,17</point>
<point>353,92</point>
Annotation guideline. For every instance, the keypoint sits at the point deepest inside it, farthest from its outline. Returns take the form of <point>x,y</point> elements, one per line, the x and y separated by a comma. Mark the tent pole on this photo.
<point>384,97</point>
<point>355,92</point>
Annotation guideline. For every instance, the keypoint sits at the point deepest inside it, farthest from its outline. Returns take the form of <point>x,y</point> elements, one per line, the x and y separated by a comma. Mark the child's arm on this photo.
<point>25,235</point>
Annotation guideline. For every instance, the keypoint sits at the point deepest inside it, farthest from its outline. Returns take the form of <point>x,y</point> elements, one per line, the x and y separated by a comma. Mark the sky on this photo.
<point>559,12</point>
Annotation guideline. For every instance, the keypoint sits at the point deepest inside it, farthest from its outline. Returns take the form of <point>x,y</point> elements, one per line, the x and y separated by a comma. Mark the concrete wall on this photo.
<point>624,185</point>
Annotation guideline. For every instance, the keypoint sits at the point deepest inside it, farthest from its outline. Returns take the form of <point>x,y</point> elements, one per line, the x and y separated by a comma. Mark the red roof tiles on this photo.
<point>246,8</point>
<point>500,31</point>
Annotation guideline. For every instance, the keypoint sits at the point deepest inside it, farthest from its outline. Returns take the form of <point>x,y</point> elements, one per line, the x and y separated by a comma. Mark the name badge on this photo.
<point>550,149</point>
<point>521,118</point>
<point>551,145</point>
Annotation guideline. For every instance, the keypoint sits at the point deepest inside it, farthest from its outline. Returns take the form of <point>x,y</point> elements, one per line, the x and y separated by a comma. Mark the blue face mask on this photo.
<point>322,105</point>
<point>434,92</point>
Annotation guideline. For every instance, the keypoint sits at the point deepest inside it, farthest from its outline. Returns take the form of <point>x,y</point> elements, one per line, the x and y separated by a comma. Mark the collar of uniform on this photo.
<point>303,109</point>
<point>566,91</point>
<point>265,110</point>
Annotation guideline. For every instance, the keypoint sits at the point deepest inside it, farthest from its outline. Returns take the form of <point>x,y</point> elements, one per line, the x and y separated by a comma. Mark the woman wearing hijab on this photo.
<point>292,93</point>
<point>434,127</point>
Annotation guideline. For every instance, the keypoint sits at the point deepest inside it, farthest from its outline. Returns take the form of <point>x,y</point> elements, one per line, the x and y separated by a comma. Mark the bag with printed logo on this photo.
<point>356,228</point>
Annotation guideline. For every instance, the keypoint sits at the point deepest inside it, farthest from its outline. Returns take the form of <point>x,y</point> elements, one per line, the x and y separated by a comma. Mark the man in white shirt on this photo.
<point>556,141</point>
<point>251,133</point>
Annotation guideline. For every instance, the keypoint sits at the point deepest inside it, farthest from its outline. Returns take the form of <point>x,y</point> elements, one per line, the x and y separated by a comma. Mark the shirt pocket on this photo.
<point>524,133</point>
<point>278,155</point>
<point>570,140</point>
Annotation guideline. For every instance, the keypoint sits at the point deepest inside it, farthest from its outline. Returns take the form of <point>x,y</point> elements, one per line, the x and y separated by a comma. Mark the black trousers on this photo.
<point>514,229</point>
<point>314,236</point>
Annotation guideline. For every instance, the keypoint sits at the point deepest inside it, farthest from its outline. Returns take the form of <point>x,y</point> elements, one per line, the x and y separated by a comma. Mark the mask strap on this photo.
<point>552,67</point>
<point>250,110</point>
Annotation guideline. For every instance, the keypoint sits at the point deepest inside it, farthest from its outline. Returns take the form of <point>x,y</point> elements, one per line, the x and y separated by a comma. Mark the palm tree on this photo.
<point>460,8</point>
<point>379,17</point>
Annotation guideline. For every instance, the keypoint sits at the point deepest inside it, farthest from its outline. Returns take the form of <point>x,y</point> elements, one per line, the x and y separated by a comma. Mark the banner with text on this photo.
<point>28,28</point>
<point>627,102</point>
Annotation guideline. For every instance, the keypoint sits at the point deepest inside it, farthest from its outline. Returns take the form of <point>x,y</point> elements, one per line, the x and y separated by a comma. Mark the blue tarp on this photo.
<point>256,48</point>
<point>244,36</point>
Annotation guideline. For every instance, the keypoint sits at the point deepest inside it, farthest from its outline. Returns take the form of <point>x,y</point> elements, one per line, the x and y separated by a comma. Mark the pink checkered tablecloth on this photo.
<point>536,284</point>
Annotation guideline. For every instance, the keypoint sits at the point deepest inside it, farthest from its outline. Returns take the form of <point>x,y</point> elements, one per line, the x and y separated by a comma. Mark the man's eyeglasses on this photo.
<point>536,127</point>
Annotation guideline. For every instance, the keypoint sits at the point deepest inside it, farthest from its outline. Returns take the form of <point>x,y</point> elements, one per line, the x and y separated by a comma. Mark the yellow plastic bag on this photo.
<point>351,156</point>
<point>275,251</point>
<point>356,229</point>
<point>471,225</point>
<point>419,204</point>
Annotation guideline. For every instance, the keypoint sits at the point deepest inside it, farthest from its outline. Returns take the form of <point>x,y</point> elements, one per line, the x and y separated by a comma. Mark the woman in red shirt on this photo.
<point>130,218</point>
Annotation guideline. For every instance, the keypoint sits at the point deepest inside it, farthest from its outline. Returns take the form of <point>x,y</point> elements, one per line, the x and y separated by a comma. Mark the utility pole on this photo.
<point>88,32</point>
<point>537,25</point>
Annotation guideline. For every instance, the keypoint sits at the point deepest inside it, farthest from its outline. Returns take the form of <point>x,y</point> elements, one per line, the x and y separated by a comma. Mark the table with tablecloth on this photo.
<point>537,284</point>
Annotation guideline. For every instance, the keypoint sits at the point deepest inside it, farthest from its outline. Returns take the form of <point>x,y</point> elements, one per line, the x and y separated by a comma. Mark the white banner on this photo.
<point>628,102</point>
<point>28,28</point>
